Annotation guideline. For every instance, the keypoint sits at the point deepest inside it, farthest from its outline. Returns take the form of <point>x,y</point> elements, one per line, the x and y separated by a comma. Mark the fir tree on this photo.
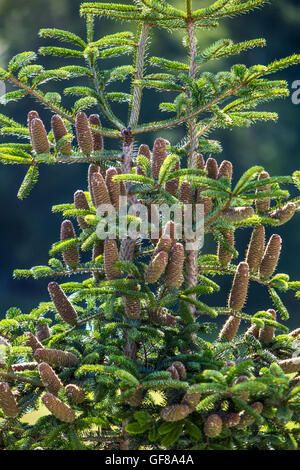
<point>127,348</point>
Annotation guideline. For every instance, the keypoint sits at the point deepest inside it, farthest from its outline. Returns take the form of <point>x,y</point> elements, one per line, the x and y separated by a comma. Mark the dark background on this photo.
<point>28,228</point>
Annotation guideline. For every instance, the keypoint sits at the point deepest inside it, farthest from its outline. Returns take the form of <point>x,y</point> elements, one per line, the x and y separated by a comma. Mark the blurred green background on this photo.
<point>28,228</point>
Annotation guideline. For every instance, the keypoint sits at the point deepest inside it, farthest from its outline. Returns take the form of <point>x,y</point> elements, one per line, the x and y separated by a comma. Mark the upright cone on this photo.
<point>224,255</point>
<point>256,248</point>
<point>174,270</point>
<point>157,267</point>
<point>111,255</point>
<point>225,170</point>
<point>238,293</point>
<point>81,203</point>
<point>113,187</point>
<point>94,120</point>
<point>185,193</point>
<point>49,378</point>
<point>213,426</point>
<point>84,133</point>
<point>58,408</point>
<point>174,413</point>
<point>59,131</point>
<point>99,191</point>
<point>75,394</point>
<point>7,401</point>
<point>230,328</point>
<point>266,334</point>
<point>212,168</point>
<point>159,154</point>
<point>271,256</point>
<point>70,255</point>
<point>62,304</point>
<point>263,205</point>
<point>39,137</point>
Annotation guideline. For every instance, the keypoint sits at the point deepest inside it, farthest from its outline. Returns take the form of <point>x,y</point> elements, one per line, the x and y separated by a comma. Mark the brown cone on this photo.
<point>238,293</point>
<point>113,187</point>
<point>180,368</point>
<point>191,399</point>
<point>92,169</point>
<point>161,317</point>
<point>71,255</point>
<point>237,214</point>
<point>266,334</point>
<point>143,150</point>
<point>225,170</point>
<point>256,248</point>
<point>263,205</point>
<point>212,168</point>
<point>213,426</point>
<point>49,378</point>
<point>94,120</point>
<point>284,214</point>
<point>174,372</point>
<point>56,357</point>
<point>59,409</point>
<point>174,270</point>
<point>30,117</point>
<point>132,307</point>
<point>39,137</point>
<point>59,131</point>
<point>290,365</point>
<point>206,201</point>
<point>246,419</point>
<point>99,190</point>
<point>62,304</point>
<point>32,342</point>
<point>253,331</point>
<point>185,193</point>
<point>42,332</point>
<point>157,267</point>
<point>230,328</point>
<point>22,366</point>
<point>271,256</point>
<point>175,412</point>
<point>230,419</point>
<point>7,401</point>
<point>75,394</point>
<point>224,255</point>
<point>123,191</point>
<point>81,203</point>
<point>84,133</point>
<point>172,186</point>
<point>159,154</point>
<point>111,255</point>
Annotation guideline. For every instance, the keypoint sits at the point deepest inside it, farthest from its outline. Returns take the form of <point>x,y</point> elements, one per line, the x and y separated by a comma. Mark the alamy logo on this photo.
<point>2,90</point>
<point>296,93</point>
<point>141,222</point>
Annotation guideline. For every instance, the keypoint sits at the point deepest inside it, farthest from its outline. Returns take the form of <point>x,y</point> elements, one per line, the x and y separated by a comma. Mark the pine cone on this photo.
<point>174,372</point>
<point>191,399</point>
<point>238,293</point>
<point>206,201</point>
<point>224,255</point>
<point>159,154</point>
<point>81,203</point>
<point>225,170</point>
<point>230,420</point>
<point>99,191</point>
<point>246,419</point>
<point>266,334</point>
<point>113,187</point>
<point>94,120</point>
<point>84,133</point>
<point>98,250</point>
<point>157,267</point>
<point>256,248</point>
<point>253,331</point>
<point>56,357</point>
<point>59,131</point>
<point>181,369</point>
<point>230,328</point>
<point>32,342</point>
<point>212,168</point>
<point>71,255</point>
<point>30,117</point>
<point>59,409</point>
<point>143,150</point>
<point>161,317</point>
<point>62,304</point>
<point>49,378</point>
<point>22,366</point>
<point>237,214</point>
<point>111,255</point>
<point>263,205</point>
<point>75,394</point>
<point>290,365</point>
<point>123,191</point>
<point>174,413</point>
<point>42,332</point>
<point>284,214</point>
<point>213,426</point>
<point>185,193</point>
<point>171,186</point>
<point>7,401</point>
<point>271,256</point>
<point>200,161</point>
<point>174,270</point>
<point>92,170</point>
<point>132,307</point>
<point>39,137</point>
